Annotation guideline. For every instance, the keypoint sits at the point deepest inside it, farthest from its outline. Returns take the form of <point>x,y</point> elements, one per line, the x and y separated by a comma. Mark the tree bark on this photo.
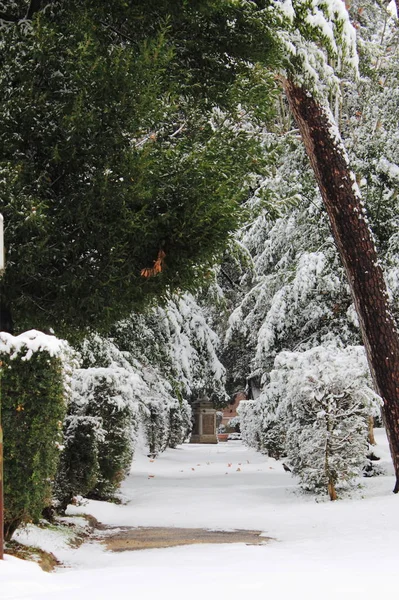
<point>356,247</point>
<point>371,438</point>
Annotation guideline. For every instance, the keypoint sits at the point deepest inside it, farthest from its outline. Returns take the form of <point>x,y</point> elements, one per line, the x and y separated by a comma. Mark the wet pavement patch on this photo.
<point>141,538</point>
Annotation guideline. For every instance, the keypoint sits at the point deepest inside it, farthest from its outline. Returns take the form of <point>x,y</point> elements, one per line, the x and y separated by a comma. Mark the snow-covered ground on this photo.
<point>346,549</point>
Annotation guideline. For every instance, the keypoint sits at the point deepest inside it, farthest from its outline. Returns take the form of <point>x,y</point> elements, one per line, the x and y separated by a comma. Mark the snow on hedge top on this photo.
<point>30,342</point>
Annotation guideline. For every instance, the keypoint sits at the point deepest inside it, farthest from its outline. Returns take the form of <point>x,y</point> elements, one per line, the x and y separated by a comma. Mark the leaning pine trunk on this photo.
<point>357,251</point>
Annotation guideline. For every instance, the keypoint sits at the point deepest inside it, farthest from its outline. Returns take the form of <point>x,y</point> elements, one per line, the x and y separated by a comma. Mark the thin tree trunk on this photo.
<point>371,438</point>
<point>330,485</point>
<point>357,251</point>
<point>331,490</point>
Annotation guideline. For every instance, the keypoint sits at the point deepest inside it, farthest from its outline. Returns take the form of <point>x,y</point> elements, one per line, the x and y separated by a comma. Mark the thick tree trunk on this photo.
<point>357,250</point>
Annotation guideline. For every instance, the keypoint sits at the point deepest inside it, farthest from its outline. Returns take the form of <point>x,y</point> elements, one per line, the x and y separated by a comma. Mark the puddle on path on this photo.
<point>141,538</point>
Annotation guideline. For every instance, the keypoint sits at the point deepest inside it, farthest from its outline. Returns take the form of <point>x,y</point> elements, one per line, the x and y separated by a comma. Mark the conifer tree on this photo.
<point>347,214</point>
<point>123,162</point>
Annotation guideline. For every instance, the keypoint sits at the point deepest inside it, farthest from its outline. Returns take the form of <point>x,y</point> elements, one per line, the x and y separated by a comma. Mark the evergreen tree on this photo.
<point>123,161</point>
<point>325,399</point>
<point>301,298</point>
<point>344,206</point>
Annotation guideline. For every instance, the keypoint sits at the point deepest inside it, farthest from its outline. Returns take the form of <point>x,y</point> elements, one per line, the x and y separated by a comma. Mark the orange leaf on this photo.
<point>157,268</point>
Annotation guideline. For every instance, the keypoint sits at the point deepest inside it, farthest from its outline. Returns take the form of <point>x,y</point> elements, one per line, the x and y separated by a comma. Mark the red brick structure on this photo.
<point>231,409</point>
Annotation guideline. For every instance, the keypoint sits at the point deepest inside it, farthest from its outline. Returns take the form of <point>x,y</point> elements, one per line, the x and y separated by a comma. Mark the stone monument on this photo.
<point>204,428</point>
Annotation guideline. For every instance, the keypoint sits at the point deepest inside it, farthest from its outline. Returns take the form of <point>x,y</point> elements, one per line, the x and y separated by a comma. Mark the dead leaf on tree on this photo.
<point>157,268</point>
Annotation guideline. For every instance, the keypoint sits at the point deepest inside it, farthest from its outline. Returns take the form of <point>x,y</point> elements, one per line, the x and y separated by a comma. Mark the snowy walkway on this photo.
<point>346,550</point>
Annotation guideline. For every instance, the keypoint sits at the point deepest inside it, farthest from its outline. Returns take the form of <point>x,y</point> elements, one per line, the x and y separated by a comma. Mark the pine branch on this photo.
<point>117,31</point>
<point>232,283</point>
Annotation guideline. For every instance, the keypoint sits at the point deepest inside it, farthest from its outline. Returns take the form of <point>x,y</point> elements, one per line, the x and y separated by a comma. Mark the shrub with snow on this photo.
<point>79,468</point>
<point>34,385</point>
<point>99,431</point>
<point>319,401</point>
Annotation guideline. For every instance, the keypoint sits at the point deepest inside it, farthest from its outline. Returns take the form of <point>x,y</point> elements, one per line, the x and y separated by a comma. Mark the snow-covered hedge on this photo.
<point>163,360</point>
<point>33,390</point>
<point>99,433</point>
<point>249,423</point>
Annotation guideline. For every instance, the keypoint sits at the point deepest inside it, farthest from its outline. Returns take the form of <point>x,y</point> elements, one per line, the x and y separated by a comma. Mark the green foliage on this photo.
<point>108,155</point>
<point>79,468</point>
<point>115,450</point>
<point>156,427</point>
<point>33,407</point>
<point>179,423</point>
<point>99,434</point>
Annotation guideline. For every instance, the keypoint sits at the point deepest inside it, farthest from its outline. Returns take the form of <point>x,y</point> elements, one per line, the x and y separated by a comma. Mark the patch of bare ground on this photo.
<point>75,535</point>
<point>46,560</point>
<point>141,538</point>
<point>120,539</point>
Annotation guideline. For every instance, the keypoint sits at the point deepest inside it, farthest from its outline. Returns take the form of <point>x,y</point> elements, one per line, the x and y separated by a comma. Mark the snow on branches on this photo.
<point>314,411</point>
<point>319,41</point>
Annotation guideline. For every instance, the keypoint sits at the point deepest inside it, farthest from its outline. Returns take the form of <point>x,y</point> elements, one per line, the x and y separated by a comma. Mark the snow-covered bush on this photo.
<point>234,423</point>
<point>34,386</point>
<point>320,400</point>
<point>110,397</point>
<point>170,353</point>
<point>99,433</point>
<point>163,416</point>
<point>166,425</point>
<point>249,423</point>
<point>79,469</point>
<point>180,423</point>
<point>156,426</point>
